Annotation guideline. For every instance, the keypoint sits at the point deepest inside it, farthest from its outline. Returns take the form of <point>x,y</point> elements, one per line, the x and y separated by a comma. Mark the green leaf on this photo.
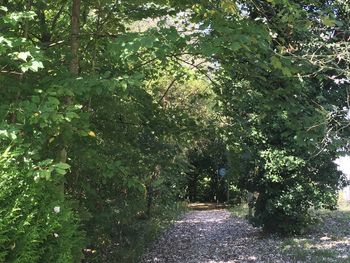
<point>286,71</point>
<point>327,21</point>
<point>60,171</point>
<point>62,166</point>
<point>46,174</point>
<point>275,61</point>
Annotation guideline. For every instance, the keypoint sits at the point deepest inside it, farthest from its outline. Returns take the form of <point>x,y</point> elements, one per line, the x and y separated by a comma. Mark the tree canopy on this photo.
<point>112,111</point>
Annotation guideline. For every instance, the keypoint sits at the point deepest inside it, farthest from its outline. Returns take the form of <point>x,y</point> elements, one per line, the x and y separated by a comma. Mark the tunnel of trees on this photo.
<point>112,113</point>
<point>205,184</point>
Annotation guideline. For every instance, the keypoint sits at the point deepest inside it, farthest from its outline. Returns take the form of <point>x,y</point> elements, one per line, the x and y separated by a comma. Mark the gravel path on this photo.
<point>213,236</point>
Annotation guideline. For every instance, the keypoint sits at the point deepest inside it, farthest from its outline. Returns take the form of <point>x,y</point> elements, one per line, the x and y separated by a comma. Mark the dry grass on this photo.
<point>328,242</point>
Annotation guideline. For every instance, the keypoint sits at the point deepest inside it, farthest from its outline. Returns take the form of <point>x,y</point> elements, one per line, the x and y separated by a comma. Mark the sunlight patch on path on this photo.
<point>213,236</point>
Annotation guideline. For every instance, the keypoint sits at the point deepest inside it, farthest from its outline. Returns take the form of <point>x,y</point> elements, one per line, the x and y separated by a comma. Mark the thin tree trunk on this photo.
<point>75,26</point>
<point>26,23</point>
<point>250,204</point>
<point>149,190</point>
<point>74,70</point>
<point>21,76</point>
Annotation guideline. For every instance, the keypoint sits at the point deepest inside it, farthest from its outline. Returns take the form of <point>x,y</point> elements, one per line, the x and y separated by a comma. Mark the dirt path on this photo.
<point>213,236</point>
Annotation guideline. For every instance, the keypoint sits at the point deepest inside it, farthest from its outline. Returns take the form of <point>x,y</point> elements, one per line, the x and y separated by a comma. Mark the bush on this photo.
<point>37,224</point>
<point>288,187</point>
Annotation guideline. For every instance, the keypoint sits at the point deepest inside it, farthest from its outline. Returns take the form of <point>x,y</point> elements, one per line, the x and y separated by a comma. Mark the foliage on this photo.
<point>126,147</point>
<point>106,124</point>
<point>204,183</point>
<point>325,243</point>
<point>37,224</point>
<point>279,125</point>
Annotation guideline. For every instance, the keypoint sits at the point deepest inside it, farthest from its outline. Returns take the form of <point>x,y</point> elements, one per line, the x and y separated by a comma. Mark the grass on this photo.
<point>239,210</point>
<point>305,250</point>
<point>162,218</point>
<point>138,236</point>
<point>328,242</point>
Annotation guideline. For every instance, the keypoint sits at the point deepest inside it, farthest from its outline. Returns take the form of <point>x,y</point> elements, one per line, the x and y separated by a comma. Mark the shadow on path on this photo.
<point>212,236</point>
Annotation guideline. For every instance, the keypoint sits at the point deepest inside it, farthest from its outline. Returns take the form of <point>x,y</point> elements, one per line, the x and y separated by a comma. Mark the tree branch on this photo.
<point>57,16</point>
<point>167,90</point>
<point>196,67</point>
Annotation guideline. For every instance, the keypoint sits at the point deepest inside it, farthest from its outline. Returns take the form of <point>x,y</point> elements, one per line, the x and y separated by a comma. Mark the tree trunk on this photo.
<point>250,204</point>
<point>74,65</point>
<point>151,190</point>
<point>74,70</point>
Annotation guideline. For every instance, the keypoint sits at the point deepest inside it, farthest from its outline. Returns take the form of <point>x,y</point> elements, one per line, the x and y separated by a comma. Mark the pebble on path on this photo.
<point>213,236</point>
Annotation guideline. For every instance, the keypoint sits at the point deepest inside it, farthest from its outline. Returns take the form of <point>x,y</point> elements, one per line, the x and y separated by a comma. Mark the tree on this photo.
<point>278,124</point>
<point>99,122</point>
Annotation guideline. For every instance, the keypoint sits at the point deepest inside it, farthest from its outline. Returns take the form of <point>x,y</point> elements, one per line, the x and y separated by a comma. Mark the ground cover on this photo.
<point>225,236</point>
<point>329,241</point>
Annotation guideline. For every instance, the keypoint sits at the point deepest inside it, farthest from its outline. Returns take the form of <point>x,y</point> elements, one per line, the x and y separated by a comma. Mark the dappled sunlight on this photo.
<point>240,259</point>
<point>207,206</point>
<point>193,221</point>
<point>205,218</point>
<point>324,251</point>
<point>329,243</point>
<point>215,236</point>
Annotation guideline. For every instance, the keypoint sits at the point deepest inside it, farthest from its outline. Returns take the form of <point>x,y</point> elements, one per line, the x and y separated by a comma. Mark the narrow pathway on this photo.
<point>213,236</point>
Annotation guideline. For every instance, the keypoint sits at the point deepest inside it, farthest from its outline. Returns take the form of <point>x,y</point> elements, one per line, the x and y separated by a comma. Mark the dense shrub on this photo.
<point>37,224</point>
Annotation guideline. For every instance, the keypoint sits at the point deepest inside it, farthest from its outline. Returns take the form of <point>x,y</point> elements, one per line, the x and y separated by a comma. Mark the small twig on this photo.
<point>144,63</point>
<point>316,125</point>
<point>196,67</point>
<point>167,90</point>
<point>57,16</point>
<point>12,72</point>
